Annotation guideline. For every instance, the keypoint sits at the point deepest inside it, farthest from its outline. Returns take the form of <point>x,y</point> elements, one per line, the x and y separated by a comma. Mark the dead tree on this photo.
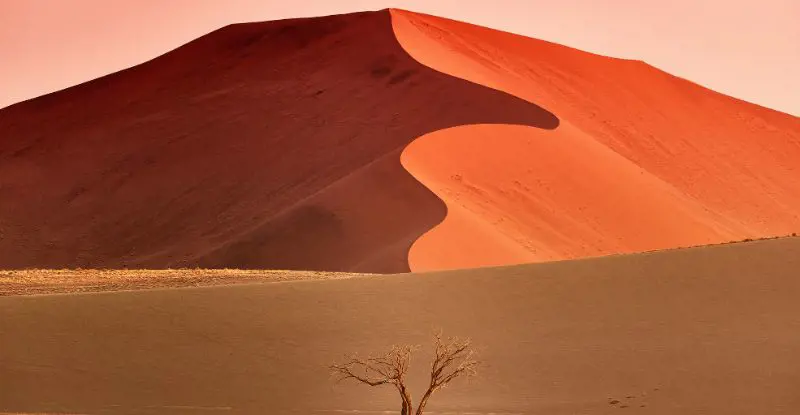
<point>452,358</point>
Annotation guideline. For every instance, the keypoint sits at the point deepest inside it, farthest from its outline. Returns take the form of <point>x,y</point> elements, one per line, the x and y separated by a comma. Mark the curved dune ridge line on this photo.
<point>264,145</point>
<point>641,160</point>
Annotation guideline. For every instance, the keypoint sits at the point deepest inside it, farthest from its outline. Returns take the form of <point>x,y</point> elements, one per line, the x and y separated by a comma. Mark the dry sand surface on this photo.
<point>46,281</point>
<point>712,330</point>
<point>641,159</point>
<point>279,145</point>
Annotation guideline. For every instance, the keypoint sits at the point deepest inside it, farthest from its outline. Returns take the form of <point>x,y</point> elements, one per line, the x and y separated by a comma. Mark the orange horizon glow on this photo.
<point>745,49</point>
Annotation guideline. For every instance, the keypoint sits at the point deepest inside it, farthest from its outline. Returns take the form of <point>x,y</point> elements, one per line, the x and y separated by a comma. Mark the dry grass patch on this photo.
<point>49,281</point>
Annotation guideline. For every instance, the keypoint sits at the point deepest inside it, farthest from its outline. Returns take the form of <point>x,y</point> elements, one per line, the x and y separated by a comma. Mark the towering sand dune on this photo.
<point>713,330</point>
<point>641,160</point>
<point>279,145</point>
<point>264,145</point>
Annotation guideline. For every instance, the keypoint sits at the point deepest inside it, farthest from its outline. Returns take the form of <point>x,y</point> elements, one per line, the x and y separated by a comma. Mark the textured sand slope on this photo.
<point>265,145</point>
<point>278,145</point>
<point>641,160</point>
<point>711,330</point>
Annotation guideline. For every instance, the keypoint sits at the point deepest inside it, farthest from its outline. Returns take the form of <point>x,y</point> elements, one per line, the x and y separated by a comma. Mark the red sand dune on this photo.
<point>278,145</point>
<point>641,160</point>
<point>265,145</point>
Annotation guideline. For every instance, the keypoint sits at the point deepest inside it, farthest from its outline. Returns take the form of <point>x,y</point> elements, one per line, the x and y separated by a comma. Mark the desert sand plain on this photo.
<point>707,330</point>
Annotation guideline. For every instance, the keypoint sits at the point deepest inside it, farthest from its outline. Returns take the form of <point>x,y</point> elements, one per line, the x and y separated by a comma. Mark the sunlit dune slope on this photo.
<point>710,330</point>
<point>641,160</point>
<point>264,145</point>
<point>336,143</point>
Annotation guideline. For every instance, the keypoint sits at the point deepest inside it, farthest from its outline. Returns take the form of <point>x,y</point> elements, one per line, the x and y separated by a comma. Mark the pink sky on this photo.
<point>748,49</point>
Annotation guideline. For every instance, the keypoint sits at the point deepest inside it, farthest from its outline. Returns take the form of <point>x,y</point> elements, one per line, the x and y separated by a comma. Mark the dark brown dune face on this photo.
<point>266,145</point>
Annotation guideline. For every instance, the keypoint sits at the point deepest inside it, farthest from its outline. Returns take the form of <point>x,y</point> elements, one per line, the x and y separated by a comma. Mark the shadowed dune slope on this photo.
<point>264,145</point>
<point>711,330</point>
<point>641,160</point>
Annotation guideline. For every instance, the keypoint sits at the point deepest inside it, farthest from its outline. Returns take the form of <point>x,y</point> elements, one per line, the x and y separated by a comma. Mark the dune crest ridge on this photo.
<point>271,145</point>
<point>384,142</point>
<point>641,160</point>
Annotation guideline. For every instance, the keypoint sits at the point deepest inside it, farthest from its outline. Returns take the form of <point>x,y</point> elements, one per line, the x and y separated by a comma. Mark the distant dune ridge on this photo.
<point>385,142</point>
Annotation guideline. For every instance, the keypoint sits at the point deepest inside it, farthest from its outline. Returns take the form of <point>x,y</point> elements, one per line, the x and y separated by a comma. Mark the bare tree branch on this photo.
<point>448,353</point>
<point>389,369</point>
<point>453,358</point>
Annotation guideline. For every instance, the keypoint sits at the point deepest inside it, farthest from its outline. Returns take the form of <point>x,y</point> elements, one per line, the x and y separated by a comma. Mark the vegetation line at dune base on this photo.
<point>64,281</point>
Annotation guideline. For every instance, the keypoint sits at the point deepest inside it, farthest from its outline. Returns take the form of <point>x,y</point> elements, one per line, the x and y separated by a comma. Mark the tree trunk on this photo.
<point>424,401</point>
<point>406,401</point>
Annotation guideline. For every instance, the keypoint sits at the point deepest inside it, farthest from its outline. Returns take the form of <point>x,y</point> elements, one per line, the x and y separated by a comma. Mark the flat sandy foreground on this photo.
<point>711,331</point>
<point>47,281</point>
